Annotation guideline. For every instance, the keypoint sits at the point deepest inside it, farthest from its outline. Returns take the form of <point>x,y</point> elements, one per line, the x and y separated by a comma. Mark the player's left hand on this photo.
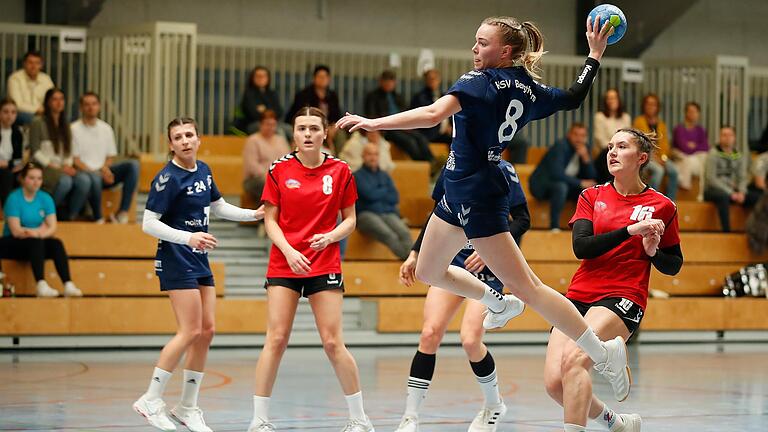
<point>473,263</point>
<point>354,122</point>
<point>319,242</point>
<point>258,214</point>
<point>651,244</point>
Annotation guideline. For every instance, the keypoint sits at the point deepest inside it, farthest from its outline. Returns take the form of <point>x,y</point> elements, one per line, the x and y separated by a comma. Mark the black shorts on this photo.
<point>478,220</point>
<point>185,283</point>
<point>629,312</point>
<point>307,286</point>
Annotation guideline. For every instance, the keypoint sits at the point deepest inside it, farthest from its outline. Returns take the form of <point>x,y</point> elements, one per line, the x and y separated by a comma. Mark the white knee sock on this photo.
<point>191,388</point>
<point>157,384</point>
<point>417,392</point>
<point>609,419</point>
<point>355,404</point>
<point>261,408</point>
<point>591,345</point>
<point>493,299</point>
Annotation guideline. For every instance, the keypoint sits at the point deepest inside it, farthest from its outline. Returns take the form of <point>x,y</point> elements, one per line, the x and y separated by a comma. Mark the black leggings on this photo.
<point>36,251</point>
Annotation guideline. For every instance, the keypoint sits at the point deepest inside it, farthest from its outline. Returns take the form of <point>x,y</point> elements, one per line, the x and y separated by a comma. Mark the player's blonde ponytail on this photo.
<point>526,40</point>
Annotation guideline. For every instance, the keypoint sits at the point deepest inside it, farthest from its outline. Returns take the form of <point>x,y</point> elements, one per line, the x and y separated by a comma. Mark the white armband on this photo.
<point>225,210</point>
<point>154,227</point>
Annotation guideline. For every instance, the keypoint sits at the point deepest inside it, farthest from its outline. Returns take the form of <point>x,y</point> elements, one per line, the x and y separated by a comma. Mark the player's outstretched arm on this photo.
<point>225,210</point>
<point>417,118</point>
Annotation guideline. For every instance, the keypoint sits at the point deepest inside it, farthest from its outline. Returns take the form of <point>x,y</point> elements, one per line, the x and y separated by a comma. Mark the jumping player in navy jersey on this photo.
<point>304,194</point>
<point>489,105</point>
<point>440,307</point>
<point>182,197</point>
<point>622,224</point>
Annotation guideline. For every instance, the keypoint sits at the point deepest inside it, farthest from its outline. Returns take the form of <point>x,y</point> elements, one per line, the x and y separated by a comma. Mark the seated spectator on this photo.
<point>27,87</point>
<point>352,152</point>
<point>30,222</point>
<point>257,99</point>
<point>689,146</point>
<point>759,173</point>
<point>50,145</point>
<point>318,94</point>
<point>260,150</point>
<point>726,178</point>
<point>94,151</point>
<point>608,120</point>
<point>660,164</point>
<point>385,101</point>
<point>427,96</point>
<point>563,173</point>
<point>11,145</point>
<point>377,214</point>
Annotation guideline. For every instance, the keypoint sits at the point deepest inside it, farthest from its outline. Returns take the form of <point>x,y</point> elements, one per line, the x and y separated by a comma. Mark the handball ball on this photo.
<point>615,17</point>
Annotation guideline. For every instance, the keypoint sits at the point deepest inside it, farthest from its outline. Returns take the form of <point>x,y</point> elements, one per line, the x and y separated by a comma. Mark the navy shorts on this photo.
<point>185,283</point>
<point>307,286</point>
<point>629,312</point>
<point>477,219</point>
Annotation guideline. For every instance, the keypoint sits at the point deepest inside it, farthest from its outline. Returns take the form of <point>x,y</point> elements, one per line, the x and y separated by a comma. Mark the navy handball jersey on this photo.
<point>183,198</point>
<point>495,105</point>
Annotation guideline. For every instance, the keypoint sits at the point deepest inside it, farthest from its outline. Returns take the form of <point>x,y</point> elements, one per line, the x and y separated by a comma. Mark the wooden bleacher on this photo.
<point>221,145</point>
<point>371,272</point>
<point>114,267</point>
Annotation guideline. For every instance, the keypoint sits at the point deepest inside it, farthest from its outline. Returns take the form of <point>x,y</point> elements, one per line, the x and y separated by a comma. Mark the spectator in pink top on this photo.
<point>260,150</point>
<point>689,146</point>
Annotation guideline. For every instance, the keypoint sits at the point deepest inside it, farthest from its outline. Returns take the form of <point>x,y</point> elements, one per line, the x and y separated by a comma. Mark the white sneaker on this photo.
<point>122,217</point>
<point>487,420</point>
<point>154,411</point>
<point>192,418</point>
<point>70,290</point>
<point>45,290</point>
<point>615,368</point>
<point>359,425</point>
<point>632,423</point>
<point>514,307</point>
<point>408,424</point>
<point>99,221</point>
<point>261,426</point>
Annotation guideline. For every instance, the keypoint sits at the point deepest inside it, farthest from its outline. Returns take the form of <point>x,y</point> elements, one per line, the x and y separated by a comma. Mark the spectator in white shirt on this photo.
<point>27,87</point>
<point>94,150</point>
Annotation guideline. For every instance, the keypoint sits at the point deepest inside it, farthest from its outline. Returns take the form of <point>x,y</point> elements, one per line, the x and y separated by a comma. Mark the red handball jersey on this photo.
<point>624,270</point>
<point>309,201</point>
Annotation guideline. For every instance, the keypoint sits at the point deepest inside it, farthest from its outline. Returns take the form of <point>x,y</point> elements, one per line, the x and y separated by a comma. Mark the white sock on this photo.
<point>261,408</point>
<point>191,388</point>
<point>355,404</point>
<point>592,346</point>
<point>157,384</point>
<point>417,392</point>
<point>493,299</point>
<point>574,428</point>
<point>609,419</point>
<point>490,387</point>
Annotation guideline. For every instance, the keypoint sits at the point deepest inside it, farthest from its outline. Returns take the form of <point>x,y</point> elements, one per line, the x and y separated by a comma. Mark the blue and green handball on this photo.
<point>615,17</point>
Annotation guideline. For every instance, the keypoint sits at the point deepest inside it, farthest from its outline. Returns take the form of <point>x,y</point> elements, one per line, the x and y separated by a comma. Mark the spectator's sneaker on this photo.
<point>632,423</point>
<point>487,420</point>
<point>513,307</point>
<point>615,368</point>
<point>99,221</point>
<point>154,411</point>
<point>122,217</point>
<point>257,425</point>
<point>359,425</point>
<point>45,290</point>
<point>192,418</point>
<point>70,290</point>
<point>408,424</point>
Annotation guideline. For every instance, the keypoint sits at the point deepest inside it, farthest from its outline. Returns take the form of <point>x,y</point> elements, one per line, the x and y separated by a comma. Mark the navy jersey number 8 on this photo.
<point>511,121</point>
